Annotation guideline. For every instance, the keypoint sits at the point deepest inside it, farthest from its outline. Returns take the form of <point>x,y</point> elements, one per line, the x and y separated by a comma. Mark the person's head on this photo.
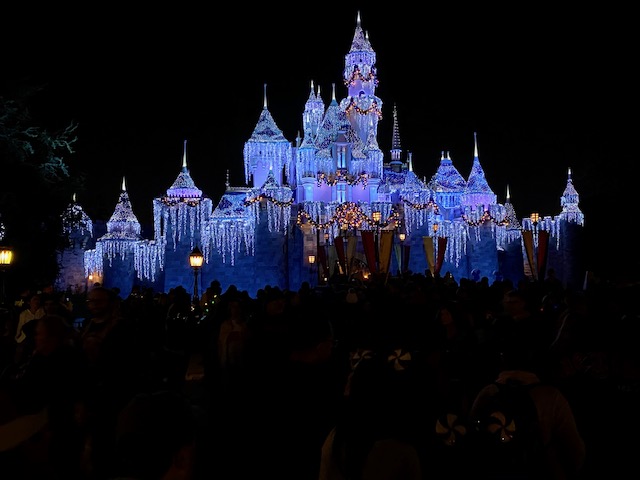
<point>156,437</point>
<point>100,301</point>
<point>51,332</point>
<point>35,302</point>
<point>514,303</point>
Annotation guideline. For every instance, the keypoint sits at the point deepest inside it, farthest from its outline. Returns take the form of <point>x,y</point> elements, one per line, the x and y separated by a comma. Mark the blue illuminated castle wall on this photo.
<point>305,193</point>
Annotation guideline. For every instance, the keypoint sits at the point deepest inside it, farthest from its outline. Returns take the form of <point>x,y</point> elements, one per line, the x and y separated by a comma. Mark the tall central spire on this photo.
<point>396,150</point>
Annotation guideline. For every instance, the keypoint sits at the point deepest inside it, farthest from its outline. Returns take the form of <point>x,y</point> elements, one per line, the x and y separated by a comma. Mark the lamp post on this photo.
<point>345,229</point>
<point>6,257</point>
<point>196,260</point>
<point>402,237</point>
<point>325,271</point>
<point>377,215</point>
<point>312,262</point>
<point>535,218</point>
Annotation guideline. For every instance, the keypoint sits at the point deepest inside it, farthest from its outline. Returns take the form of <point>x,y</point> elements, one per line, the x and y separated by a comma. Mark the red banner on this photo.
<point>369,247</point>
<point>527,238</point>
<point>442,247</point>
<point>323,260</point>
<point>543,250</point>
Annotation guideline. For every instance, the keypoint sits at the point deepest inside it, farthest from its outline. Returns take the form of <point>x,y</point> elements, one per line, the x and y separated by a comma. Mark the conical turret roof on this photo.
<point>123,224</point>
<point>184,186</point>
<point>447,177</point>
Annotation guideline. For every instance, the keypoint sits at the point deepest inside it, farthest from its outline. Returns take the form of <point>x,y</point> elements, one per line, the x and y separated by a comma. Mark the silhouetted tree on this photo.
<point>35,188</point>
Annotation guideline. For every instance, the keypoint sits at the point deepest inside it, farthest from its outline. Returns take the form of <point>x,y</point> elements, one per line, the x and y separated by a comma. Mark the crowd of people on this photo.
<point>345,381</point>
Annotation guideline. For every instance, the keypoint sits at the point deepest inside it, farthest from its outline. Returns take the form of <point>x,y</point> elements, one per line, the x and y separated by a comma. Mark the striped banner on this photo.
<point>386,246</point>
<point>430,253</point>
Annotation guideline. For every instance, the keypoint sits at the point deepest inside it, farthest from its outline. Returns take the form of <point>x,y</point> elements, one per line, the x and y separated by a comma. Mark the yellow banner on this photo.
<point>430,253</point>
<point>386,246</point>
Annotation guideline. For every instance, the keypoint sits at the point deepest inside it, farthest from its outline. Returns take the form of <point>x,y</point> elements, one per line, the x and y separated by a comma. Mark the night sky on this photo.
<point>544,90</point>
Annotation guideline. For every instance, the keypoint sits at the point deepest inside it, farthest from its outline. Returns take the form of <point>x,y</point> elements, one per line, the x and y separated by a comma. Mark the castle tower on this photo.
<point>448,186</point>
<point>306,168</point>
<point>313,113</point>
<point>267,150</point>
<point>362,107</point>
<point>478,196</point>
<point>77,228</point>
<point>396,150</point>
<point>113,259</point>
<point>569,202</point>
<point>180,221</point>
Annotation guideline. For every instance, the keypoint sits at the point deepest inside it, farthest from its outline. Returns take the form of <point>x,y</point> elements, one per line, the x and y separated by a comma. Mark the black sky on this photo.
<point>545,91</point>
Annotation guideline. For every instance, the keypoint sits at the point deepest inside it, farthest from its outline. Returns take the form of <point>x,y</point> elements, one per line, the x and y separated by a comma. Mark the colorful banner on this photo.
<point>430,253</point>
<point>352,243</point>
<point>402,257</point>
<point>323,261</point>
<point>386,245</point>
<point>543,250</point>
<point>527,238</point>
<point>442,247</point>
<point>369,247</point>
<point>405,257</point>
<point>339,244</point>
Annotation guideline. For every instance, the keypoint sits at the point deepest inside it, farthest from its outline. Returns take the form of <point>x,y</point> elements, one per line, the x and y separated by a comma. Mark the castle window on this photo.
<point>342,156</point>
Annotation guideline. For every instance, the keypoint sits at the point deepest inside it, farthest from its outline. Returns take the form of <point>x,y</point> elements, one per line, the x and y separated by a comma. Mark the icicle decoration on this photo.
<point>232,225</point>
<point>75,219</point>
<point>268,142</point>
<point>148,259</point>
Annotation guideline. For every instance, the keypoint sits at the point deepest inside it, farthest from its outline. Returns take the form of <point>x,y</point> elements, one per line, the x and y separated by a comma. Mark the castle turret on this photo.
<point>180,220</point>
<point>569,202</point>
<point>123,224</point>
<point>359,75</point>
<point>267,150</point>
<point>448,186</point>
<point>477,196</point>
<point>313,113</point>
<point>307,169</point>
<point>77,228</point>
<point>396,149</point>
<point>113,258</point>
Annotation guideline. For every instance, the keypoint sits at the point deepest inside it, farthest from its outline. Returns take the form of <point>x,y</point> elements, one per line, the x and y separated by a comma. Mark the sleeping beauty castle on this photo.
<point>330,204</point>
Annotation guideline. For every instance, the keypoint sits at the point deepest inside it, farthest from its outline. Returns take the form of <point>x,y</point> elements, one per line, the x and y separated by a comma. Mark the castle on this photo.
<point>328,203</point>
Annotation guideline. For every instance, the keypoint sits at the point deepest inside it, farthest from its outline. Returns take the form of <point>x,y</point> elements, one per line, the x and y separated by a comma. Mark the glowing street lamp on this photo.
<point>6,257</point>
<point>535,218</point>
<point>196,259</point>
<point>377,216</point>
<point>402,237</point>
<point>312,261</point>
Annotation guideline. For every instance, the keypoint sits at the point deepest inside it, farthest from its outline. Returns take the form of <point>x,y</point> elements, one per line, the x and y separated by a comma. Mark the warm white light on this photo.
<point>402,236</point>
<point>312,259</point>
<point>6,256</point>
<point>196,258</point>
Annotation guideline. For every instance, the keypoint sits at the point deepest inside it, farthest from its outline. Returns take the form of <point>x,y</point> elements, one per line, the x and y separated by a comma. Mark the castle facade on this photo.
<point>329,203</point>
